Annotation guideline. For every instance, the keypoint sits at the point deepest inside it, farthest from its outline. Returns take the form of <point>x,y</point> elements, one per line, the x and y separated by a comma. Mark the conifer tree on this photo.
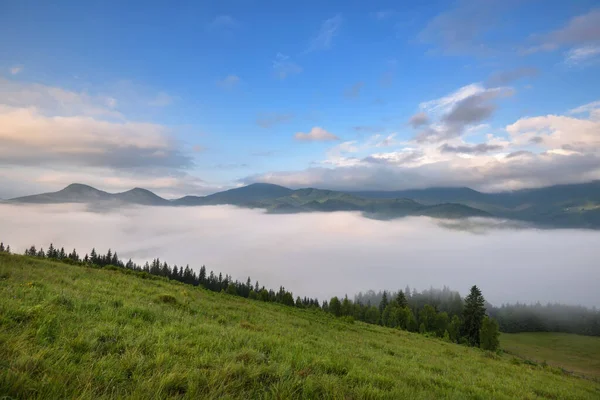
<point>202,276</point>
<point>50,253</point>
<point>473,314</point>
<point>384,302</point>
<point>401,299</point>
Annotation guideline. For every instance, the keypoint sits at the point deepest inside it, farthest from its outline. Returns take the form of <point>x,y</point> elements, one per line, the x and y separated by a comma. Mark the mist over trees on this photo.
<point>511,318</point>
<point>434,312</point>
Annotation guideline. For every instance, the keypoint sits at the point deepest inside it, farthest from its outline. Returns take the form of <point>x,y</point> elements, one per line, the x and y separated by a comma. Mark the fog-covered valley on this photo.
<point>326,254</point>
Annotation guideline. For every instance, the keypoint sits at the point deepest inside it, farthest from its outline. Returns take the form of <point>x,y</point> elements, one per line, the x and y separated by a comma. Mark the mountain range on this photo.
<point>567,206</point>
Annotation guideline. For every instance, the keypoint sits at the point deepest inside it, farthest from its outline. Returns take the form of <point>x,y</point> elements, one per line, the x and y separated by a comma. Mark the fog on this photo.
<point>326,254</point>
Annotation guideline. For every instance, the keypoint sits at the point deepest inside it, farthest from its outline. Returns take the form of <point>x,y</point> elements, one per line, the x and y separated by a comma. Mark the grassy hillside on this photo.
<point>77,332</point>
<point>580,354</point>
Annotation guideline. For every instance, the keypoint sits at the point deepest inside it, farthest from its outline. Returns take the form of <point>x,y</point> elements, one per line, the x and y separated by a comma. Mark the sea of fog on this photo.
<point>326,254</point>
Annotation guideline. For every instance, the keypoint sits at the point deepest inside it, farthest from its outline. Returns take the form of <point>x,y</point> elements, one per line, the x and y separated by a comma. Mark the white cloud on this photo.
<point>329,29</point>
<point>458,112</point>
<point>557,132</point>
<point>316,134</point>
<point>592,109</point>
<point>229,82</point>
<point>531,152</point>
<point>582,54</point>
<point>30,138</point>
<point>56,101</point>
<point>16,69</point>
<point>582,32</point>
<point>444,104</point>
<point>51,137</point>
<point>162,99</point>
<point>283,66</point>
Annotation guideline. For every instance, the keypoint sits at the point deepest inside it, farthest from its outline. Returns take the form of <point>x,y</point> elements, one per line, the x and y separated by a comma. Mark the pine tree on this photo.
<point>384,302</point>
<point>202,276</point>
<point>401,299</point>
<point>1,247</point>
<point>473,314</point>
<point>50,253</point>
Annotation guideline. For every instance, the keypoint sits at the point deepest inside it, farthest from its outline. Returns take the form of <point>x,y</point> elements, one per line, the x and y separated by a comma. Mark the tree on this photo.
<point>387,316</point>
<point>441,321</point>
<point>346,306</point>
<point>384,302</point>
<point>428,317</point>
<point>51,250</point>
<point>489,334</point>
<point>401,299</point>
<point>335,307</point>
<point>454,329</point>
<point>473,314</point>
<point>231,289</point>
<point>372,315</point>
<point>1,247</point>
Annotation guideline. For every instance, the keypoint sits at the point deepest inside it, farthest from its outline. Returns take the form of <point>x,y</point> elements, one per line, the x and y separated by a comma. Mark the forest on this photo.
<point>440,313</point>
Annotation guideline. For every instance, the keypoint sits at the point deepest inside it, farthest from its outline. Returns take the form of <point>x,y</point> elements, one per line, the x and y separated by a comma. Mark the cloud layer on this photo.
<point>52,137</point>
<point>348,253</point>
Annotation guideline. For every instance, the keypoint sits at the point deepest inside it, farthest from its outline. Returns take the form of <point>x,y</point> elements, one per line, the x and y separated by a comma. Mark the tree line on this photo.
<point>457,321</point>
<point>514,318</point>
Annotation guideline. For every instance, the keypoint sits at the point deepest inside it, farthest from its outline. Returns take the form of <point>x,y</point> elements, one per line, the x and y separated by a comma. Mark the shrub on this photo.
<point>167,299</point>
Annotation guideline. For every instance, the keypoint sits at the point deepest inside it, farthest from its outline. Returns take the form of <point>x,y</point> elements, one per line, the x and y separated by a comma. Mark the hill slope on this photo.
<point>70,331</point>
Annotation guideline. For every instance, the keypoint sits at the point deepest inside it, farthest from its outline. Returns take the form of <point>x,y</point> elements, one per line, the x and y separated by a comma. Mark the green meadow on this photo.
<point>576,353</point>
<point>86,333</point>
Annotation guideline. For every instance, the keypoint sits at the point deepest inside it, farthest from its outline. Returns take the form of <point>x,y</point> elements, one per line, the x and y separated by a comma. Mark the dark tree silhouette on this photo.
<point>473,314</point>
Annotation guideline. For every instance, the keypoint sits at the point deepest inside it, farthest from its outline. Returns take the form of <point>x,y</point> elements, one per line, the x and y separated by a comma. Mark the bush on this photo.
<point>489,334</point>
<point>167,298</point>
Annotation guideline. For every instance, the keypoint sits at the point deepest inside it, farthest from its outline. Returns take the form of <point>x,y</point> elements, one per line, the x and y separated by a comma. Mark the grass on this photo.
<point>77,332</point>
<point>579,354</point>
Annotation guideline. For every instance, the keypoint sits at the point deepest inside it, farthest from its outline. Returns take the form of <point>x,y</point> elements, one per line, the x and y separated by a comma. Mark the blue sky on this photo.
<point>192,98</point>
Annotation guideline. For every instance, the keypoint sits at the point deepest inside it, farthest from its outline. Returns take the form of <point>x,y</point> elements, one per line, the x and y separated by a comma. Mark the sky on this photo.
<point>197,97</point>
<point>328,254</point>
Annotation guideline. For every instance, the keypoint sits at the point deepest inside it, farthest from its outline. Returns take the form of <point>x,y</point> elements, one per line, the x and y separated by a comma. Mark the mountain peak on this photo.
<point>78,187</point>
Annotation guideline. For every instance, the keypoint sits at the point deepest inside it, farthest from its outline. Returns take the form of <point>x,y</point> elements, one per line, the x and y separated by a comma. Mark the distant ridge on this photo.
<point>559,206</point>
